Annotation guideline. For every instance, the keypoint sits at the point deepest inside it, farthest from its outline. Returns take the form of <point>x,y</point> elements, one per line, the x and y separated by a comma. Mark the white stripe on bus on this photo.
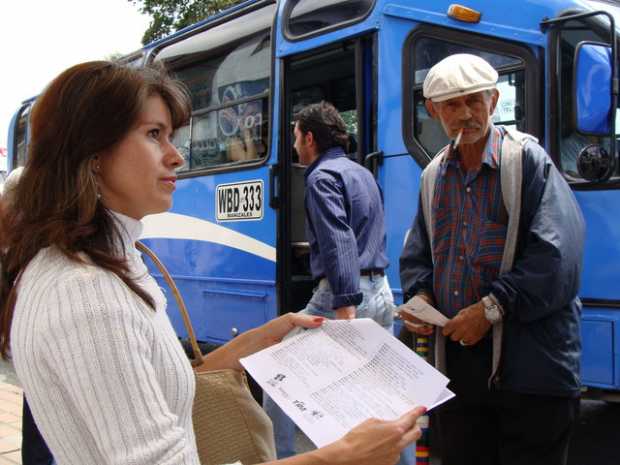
<point>175,226</point>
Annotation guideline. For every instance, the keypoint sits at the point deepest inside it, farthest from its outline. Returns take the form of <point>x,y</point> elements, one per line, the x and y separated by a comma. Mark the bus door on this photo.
<point>341,74</point>
<point>219,238</point>
<point>590,165</point>
<point>406,134</point>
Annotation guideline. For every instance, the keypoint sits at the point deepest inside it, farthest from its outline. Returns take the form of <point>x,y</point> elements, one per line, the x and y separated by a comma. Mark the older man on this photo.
<point>496,246</point>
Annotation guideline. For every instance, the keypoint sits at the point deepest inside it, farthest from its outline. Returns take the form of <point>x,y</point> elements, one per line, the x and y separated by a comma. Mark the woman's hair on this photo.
<point>85,111</point>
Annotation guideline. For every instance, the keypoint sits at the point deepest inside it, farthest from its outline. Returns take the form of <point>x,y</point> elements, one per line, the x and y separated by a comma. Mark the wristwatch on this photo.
<point>492,312</point>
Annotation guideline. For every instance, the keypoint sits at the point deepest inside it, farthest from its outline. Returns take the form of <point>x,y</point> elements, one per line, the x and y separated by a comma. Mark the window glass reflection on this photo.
<point>307,16</point>
<point>227,72</point>
<point>21,138</point>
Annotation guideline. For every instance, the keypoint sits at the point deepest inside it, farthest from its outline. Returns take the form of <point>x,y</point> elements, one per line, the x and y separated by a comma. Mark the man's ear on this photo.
<point>494,99</point>
<point>309,139</point>
<point>430,108</point>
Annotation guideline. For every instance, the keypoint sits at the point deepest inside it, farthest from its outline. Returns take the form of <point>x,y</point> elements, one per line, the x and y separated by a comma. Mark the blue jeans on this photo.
<point>378,304</point>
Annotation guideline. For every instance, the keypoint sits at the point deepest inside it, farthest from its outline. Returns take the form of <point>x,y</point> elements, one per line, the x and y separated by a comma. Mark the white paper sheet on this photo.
<point>419,308</point>
<point>332,378</point>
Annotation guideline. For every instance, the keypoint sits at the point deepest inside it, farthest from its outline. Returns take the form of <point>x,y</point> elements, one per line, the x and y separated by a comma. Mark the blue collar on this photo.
<point>329,154</point>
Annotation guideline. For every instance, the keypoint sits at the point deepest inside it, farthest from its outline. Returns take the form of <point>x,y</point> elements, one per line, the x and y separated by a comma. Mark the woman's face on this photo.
<point>137,177</point>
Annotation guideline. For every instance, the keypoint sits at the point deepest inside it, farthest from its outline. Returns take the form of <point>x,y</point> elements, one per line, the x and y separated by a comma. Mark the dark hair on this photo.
<point>325,123</point>
<point>86,110</point>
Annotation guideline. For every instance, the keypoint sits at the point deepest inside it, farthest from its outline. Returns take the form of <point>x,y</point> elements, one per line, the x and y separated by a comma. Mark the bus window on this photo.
<point>426,51</point>
<point>227,74</point>
<point>570,141</point>
<point>305,17</point>
<point>21,139</point>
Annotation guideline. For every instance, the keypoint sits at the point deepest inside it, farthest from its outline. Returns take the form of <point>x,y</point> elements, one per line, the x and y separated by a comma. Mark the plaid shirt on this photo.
<point>469,228</point>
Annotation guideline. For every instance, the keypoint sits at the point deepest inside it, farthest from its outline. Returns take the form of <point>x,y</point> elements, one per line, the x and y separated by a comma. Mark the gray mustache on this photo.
<point>471,126</point>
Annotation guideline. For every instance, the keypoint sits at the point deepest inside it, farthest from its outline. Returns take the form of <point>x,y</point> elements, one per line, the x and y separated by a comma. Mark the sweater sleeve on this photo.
<point>99,349</point>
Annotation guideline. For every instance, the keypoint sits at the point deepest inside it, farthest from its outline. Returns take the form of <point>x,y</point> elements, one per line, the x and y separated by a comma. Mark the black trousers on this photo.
<point>493,427</point>
<point>34,448</point>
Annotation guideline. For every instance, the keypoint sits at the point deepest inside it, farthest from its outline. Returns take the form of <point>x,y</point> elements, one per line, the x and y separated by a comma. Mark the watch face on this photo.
<point>492,313</point>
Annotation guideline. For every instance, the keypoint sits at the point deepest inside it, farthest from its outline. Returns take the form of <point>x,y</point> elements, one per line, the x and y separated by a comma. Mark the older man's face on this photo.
<point>472,113</point>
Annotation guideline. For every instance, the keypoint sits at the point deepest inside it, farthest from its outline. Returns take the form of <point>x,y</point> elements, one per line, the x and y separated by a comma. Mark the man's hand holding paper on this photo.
<point>419,316</point>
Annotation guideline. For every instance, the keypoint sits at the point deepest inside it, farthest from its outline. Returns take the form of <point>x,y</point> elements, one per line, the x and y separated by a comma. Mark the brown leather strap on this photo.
<point>198,357</point>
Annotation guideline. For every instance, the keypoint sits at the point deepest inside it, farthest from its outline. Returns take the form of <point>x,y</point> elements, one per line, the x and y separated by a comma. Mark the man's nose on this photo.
<point>464,112</point>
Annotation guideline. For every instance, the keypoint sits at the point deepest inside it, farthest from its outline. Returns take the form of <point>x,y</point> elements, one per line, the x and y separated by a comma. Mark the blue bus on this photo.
<point>235,240</point>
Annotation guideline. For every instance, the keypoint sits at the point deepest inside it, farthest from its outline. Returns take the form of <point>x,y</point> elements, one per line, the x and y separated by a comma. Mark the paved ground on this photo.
<point>597,439</point>
<point>10,416</point>
<point>10,424</point>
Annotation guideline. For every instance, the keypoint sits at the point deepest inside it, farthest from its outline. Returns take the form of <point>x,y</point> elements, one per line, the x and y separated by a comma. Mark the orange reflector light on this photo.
<point>462,13</point>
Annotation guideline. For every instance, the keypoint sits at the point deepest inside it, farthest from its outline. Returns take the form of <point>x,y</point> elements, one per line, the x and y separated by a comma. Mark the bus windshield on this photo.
<point>610,8</point>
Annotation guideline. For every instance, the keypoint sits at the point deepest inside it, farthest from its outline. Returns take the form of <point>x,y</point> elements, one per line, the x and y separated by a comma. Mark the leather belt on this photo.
<point>370,272</point>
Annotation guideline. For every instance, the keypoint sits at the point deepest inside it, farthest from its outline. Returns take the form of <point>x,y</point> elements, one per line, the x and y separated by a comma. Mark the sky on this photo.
<point>41,38</point>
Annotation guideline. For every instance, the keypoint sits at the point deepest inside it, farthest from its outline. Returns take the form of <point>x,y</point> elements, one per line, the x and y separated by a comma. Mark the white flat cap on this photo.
<point>457,75</point>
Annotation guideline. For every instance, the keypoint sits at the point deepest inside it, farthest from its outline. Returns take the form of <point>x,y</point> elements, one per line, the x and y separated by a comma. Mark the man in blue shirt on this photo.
<point>346,232</point>
<point>344,221</point>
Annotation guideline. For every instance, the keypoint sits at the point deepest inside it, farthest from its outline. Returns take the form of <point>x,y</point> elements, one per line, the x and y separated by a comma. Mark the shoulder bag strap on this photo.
<point>198,357</point>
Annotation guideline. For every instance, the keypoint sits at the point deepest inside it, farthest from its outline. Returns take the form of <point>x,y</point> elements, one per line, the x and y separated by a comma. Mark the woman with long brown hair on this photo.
<point>83,321</point>
<point>34,450</point>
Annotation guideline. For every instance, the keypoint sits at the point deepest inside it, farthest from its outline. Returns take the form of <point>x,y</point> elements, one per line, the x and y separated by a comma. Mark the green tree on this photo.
<point>168,16</point>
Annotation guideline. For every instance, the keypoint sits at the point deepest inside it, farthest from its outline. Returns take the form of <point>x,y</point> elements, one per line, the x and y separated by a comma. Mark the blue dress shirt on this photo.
<point>344,224</point>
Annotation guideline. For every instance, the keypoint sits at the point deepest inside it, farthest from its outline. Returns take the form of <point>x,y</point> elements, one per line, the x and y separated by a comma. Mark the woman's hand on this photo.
<point>374,442</point>
<point>274,331</point>
<point>257,339</point>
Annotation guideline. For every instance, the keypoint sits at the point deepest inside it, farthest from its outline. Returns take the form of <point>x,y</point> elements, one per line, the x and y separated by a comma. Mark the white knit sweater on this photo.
<point>104,374</point>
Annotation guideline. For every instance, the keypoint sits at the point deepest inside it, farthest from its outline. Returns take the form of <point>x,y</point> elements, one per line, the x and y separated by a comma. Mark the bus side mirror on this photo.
<point>592,91</point>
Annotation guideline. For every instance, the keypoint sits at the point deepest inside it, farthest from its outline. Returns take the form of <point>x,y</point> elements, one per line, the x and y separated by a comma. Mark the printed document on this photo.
<point>332,378</point>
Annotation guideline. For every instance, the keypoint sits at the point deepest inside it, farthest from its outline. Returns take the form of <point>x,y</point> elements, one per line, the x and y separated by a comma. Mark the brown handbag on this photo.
<point>229,424</point>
